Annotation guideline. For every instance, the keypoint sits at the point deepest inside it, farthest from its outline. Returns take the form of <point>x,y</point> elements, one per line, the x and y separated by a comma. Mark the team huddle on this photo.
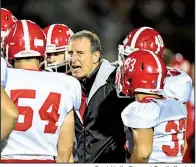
<point>42,71</point>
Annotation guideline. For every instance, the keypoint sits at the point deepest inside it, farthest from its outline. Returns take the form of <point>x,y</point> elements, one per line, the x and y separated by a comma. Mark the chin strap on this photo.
<point>48,69</point>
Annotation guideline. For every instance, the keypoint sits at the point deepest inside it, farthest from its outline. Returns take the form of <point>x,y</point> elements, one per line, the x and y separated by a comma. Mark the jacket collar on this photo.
<point>87,83</point>
<point>101,78</point>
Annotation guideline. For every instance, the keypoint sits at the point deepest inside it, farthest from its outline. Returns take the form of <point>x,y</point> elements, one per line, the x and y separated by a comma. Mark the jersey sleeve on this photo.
<point>178,86</point>
<point>141,115</point>
<point>68,101</point>
<point>76,93</point>
<point>3,72</point>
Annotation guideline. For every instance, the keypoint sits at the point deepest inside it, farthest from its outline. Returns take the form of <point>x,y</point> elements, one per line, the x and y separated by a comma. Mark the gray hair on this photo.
<point>94,39</point>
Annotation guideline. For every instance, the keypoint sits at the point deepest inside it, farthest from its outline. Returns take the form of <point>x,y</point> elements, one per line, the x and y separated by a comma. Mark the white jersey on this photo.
<point>43,100</point>
<point>77,98</point>
<point>178,84</point>
<point>76,94</point>
<point>192,99</point>
<point>167,117</point>
<point>3,72</point>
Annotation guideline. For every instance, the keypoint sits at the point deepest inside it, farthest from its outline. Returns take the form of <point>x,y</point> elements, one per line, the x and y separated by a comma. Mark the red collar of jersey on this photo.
<point>152,97</point>
<point>147,99</point>
<point>32,69</point>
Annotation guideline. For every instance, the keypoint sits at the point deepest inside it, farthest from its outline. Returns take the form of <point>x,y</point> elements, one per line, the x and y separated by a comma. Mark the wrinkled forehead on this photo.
<point>79,44</point>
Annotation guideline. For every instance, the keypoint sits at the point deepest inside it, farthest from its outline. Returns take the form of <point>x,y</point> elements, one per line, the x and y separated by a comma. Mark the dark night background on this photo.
<point>112,20</point>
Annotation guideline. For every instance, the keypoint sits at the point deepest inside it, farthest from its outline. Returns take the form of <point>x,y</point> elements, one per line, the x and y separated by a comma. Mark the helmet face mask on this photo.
<point>59,63</point>
<point>122,55</point>
<point>123,52</point>
<point>118,82</point>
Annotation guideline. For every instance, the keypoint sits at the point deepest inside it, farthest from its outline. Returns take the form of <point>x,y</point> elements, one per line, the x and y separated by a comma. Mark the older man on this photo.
<point>99,129</point>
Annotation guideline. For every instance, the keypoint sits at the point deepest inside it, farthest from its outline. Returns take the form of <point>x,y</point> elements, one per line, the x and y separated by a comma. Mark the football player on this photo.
<point>9,112</point>
<point>157,122</point>
<point>57,37</point>
<point>45,128</point>
<point>178,84</point>
<point>180,63</point>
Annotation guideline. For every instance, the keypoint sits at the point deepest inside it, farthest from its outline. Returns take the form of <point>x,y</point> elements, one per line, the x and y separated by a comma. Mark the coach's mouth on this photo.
<point>76,68</point>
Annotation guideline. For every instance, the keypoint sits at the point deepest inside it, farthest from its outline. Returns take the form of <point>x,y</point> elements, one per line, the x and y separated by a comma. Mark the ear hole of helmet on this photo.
<point>142,66</point>
<point>129,91</point>
<point>129,81</point>
<point>6,17</point>
<point>145,42</point>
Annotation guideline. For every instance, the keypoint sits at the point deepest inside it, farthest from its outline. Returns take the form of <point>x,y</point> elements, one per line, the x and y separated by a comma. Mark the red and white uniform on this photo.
<point>3,72</point>
<point>43,100</point>
<point>167,117</point>
<point>178,84</point>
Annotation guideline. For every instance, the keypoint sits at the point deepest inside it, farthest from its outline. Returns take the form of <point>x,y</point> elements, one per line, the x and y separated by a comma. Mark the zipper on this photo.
<point>82,121</point>
<point>83,137</point>
<point>84,143</point>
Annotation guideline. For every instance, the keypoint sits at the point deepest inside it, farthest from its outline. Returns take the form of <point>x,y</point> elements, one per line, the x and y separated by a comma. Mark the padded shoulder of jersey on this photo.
<point>72,80</point>
<point>141,114</point>
<point>178,85</point>
<point>76,92</point>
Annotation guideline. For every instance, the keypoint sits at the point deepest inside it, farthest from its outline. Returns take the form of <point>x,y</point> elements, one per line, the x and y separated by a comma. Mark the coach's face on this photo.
<point>82,61</point>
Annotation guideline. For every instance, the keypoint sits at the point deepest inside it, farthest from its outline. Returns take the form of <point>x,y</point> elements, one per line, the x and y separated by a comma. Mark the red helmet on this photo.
<point>144,38</point>
<point>25,39</point>
<point>143,71</point>
<point>57,37</point>
<point>180,63</point>
<point>7,19</point>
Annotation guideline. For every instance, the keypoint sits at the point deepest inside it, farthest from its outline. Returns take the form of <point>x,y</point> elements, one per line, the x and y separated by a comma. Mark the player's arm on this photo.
<point>9,115</point>
<point>142,150</point>
<point>137,117</point>
<point>66,138</point>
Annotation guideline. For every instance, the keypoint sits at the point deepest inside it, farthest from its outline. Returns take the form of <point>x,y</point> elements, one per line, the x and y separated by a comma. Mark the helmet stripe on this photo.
<point>159,70</point>
<point>5,9</point>
<point>26,34</point>
<point>136,35</point>
<point>49,34</point>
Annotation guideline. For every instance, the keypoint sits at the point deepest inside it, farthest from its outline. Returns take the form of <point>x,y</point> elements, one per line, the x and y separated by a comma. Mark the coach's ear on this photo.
<point>96,57</point>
